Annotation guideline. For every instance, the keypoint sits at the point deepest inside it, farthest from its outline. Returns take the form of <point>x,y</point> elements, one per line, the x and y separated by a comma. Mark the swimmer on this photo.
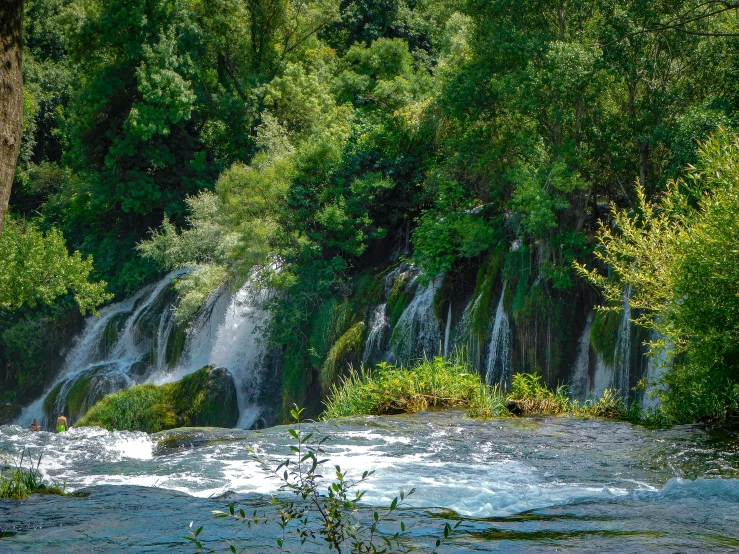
<point>35,426</point>
<point>61,423</point>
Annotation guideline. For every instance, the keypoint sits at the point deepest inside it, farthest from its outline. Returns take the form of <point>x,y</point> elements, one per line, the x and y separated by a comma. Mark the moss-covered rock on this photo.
<point>50,402</point>
<point>9,413</point>
<point>343,354</point>
<point>77,395</point>
<point>206,398</point>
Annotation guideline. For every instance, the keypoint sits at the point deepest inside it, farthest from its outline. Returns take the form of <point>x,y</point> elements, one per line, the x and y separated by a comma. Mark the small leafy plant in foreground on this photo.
<point>321,512</point>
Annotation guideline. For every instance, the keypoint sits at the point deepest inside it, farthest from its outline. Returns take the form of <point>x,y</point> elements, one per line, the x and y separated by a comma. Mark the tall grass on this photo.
<point>439,383</point>
<point>434,383</point>
<point>17,482</point>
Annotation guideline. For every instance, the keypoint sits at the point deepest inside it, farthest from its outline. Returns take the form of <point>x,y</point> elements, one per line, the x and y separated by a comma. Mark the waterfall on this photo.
<point>376,346</point>
<point>166,323</point>
<point>127,344</point>
<point>622,354</point>
<point>417,332</point>
<point>229,334</point>
<point>498,367</point>
<point>580,374</point>
<point>108,368</point>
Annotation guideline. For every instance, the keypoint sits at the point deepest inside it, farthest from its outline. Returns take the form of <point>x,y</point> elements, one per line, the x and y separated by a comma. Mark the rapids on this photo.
<point>530,484</point>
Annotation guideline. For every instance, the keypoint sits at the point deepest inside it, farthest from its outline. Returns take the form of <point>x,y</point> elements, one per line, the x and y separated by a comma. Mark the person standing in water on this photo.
<point>61,423</point>
<point>35,426</point>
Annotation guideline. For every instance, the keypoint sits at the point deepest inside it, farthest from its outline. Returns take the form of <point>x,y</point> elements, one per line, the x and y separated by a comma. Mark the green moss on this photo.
<point>345,351</point>
<point>176,343</point>
<point>296,378</point>
<point>604,333</point>
<point>112,331</point>
<point>77,395</point>
<point>481,312</point>
<point>398,300</point>
<point>196,400</point>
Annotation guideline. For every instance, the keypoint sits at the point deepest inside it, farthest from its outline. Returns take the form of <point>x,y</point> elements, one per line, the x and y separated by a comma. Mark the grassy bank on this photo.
<point>440,383</point>
<point>204,398</point>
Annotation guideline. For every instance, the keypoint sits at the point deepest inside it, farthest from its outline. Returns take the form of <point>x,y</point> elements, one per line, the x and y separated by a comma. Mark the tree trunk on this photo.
<point>11,96</point>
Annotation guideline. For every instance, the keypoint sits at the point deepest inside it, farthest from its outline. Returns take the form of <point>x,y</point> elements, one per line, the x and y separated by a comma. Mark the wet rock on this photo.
<point>138,368</point>
<point>9,413</point>
<point>207,398</point>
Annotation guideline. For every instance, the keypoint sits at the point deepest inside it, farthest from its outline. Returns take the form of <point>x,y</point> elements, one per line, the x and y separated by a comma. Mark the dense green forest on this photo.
<point>299,142</point>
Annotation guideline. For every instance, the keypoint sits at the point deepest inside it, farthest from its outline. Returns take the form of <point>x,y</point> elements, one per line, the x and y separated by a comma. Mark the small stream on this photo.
<point>520,485</point>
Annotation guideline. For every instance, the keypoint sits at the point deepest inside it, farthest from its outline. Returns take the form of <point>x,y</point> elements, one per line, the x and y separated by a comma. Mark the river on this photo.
<point>519,485</point>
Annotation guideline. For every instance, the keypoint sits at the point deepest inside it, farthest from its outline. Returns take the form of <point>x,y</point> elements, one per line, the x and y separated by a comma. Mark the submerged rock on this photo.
<point>206,398</point>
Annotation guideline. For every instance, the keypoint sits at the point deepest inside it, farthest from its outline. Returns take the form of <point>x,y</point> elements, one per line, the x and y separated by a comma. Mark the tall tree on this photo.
<point>11,95</point>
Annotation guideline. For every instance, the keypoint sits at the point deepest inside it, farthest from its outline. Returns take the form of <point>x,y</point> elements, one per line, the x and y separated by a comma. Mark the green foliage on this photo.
<point>337,133</point>
<point>680,260</point>
<point>190,402</point>
<point>529,396</point>
<point>37,268</point>
<point>435,383</point>
<point>604,333</point>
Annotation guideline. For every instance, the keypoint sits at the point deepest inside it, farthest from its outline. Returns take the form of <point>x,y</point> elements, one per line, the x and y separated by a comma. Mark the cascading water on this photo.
<point>622,355</point>
<point>417,332</point>
<point>498,368</point>
<point>580,382</point>
<point>106,363</point>
<point>229,334</point>
<point>376,347</point>
<point>127,344</point>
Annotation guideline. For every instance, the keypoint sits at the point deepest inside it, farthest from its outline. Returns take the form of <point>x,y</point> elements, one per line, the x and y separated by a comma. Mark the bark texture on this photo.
<point>11,95</point>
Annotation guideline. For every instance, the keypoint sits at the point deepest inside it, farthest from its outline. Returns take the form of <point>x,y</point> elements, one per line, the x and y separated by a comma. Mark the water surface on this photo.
<point>520,485</point>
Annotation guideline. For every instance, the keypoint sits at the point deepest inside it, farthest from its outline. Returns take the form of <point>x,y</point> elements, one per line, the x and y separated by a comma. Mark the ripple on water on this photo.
<point>498,469</point>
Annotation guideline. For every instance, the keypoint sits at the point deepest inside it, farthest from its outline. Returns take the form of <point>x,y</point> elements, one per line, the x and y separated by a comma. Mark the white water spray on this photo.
<point>229,334</point>
<point>498,367</point>
<point>580,380</point>
<point>417,332</point>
